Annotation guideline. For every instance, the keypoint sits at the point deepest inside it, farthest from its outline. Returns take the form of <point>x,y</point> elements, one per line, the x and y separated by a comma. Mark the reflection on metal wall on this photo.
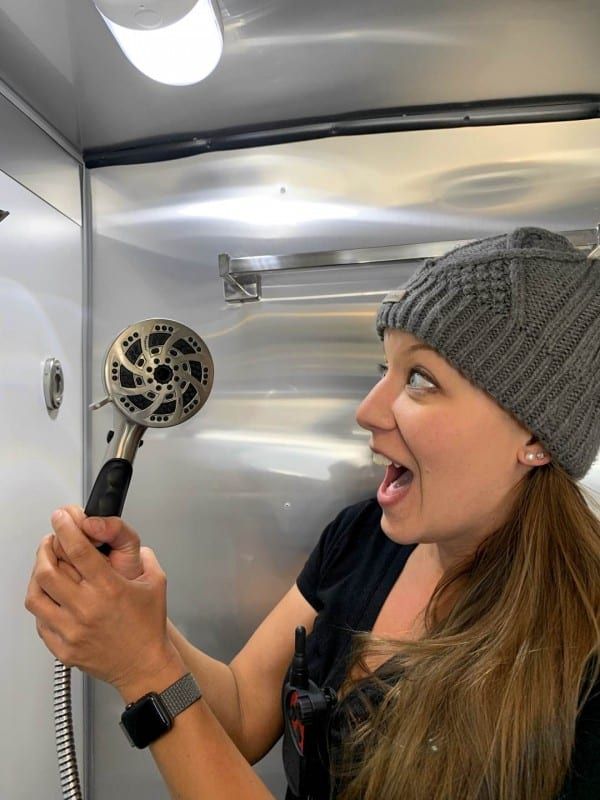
<point>233,501</point>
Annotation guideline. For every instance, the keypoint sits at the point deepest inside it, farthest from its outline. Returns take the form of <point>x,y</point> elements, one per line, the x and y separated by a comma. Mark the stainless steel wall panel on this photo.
<point>37,50</point>
<point>31,157</point>
<point>40,468</point>
<point>233,500</point>
<point>362,191</point>
<point>284,60</point>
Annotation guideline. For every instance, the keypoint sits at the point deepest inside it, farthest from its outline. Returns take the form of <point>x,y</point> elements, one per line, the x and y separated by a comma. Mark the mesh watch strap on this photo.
<point>181,694</point>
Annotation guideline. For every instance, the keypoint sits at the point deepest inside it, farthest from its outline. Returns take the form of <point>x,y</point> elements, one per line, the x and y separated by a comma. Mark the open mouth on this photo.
<point>396,485</point>
<point>396,482</point>
<point>400,476</point>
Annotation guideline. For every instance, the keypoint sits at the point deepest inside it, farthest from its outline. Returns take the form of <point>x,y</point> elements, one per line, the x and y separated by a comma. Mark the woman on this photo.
<point>475,582</point>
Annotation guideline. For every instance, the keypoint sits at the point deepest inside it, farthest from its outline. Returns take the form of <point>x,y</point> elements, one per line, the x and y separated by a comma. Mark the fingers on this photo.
<point>80,552</point>
<point>124,557</point>
<point>54,642</point>
<point>63,563</point>
<point>107,626</point>
<point>58,548</point>
<point>55,581</point>
<point>48,613</point>
<point>68,570</point>
<point>80,518</point>
<point>76,513</point>
<point>114,531</point>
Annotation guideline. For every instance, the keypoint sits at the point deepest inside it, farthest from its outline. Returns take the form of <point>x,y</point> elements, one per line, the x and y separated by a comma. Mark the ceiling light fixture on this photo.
<point>178,42</point>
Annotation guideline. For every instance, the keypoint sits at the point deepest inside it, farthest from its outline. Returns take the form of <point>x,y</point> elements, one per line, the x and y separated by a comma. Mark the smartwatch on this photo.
<point>152,715</point>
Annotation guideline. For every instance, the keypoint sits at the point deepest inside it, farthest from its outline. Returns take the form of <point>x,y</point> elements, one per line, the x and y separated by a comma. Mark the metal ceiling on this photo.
<point>287,61</point>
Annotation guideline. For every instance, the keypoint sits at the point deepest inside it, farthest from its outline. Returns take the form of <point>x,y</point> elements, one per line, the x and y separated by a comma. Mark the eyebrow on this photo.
<point>414,347</point>
<point>420,347</point>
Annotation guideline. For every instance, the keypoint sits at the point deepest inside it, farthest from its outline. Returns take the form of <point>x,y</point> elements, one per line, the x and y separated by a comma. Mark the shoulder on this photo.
<point>341,546</point>
<point>355,528</point>
<point>362,517</point>
<point>364,512</point>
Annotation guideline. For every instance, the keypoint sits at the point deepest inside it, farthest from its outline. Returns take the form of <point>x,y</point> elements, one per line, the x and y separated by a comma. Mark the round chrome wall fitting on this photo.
<point>54,384</point>
<point>158,372</point>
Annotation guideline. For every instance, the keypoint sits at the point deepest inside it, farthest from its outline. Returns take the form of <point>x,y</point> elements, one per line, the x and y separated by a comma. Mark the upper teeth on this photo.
<point>378,458</point>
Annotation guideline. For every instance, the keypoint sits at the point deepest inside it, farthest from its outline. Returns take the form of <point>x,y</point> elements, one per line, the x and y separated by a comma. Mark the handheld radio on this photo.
<point>304,705</point>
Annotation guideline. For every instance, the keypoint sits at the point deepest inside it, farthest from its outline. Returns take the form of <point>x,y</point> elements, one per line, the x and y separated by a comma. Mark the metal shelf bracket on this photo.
<point>595,253</point>
<point>238,288</point>
<point>242,276</point>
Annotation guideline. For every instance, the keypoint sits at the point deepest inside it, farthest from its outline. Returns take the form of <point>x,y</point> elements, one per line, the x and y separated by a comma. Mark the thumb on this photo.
<point>125,543</point>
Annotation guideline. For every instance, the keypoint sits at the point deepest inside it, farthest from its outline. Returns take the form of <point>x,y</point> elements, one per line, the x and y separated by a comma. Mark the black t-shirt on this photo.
<point>346,579</point>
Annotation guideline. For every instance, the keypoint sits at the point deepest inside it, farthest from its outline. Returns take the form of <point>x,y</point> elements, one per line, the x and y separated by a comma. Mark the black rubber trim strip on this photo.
<point>510,111</point>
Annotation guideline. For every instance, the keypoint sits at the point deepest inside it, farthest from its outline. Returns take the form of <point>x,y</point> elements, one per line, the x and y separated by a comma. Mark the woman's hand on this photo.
<point>90,617</point>
<point>124,557</point>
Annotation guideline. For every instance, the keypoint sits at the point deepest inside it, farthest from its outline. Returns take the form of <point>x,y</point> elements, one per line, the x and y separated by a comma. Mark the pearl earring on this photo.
<point>530,456</point>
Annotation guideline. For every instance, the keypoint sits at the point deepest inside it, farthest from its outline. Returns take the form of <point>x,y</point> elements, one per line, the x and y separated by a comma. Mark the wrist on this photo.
<point>164,669</point>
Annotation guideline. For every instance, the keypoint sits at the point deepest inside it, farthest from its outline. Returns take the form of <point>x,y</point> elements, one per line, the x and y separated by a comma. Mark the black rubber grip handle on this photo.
<point>107,497</point>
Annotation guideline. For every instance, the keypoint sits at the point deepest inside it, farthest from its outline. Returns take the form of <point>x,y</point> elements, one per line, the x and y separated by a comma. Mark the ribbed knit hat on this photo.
<point>519,315</point>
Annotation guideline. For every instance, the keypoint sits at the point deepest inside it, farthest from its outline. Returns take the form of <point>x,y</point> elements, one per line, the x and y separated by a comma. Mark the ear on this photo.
<point>534,447</point>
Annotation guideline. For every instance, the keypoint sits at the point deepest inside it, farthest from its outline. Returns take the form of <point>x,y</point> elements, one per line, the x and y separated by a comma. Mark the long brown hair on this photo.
<point>484,705</point>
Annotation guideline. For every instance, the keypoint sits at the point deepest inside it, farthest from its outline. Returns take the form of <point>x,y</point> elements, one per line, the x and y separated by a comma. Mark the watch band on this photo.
<point>181,694</point>
<point>152,715</point>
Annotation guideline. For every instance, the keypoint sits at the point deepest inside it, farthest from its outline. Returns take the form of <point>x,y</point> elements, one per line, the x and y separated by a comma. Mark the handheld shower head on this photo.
<point>157,373</point>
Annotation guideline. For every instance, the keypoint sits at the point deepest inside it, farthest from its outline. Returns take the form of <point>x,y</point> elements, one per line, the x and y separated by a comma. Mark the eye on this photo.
<point>414,371</point>
<point>383,368</point>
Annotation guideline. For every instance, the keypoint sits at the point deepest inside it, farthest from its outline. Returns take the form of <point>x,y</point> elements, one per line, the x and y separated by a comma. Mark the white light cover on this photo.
<point>179,54</point>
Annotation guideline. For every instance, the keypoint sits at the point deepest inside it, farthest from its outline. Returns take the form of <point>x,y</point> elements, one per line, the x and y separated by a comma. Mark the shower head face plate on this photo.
<point>158,373</point>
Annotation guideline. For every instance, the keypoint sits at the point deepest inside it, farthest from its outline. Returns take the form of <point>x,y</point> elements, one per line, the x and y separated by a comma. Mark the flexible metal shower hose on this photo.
<point>63,728</point>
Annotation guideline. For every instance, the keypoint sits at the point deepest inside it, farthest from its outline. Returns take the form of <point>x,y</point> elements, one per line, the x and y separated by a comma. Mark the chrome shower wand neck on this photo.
<point>124,438</point>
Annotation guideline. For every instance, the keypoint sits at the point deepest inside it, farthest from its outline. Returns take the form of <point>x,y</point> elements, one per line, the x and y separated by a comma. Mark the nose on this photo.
<point>375,411</point>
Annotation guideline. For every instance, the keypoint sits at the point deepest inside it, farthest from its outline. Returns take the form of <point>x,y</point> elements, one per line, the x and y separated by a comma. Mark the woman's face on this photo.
<point>465,451</point>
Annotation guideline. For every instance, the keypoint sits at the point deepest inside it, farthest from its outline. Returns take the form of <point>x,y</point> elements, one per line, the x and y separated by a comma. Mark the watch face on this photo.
<point>146,720</point>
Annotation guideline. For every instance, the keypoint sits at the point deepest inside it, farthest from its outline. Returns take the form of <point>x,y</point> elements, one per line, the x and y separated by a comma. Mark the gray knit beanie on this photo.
<point>519,315</point>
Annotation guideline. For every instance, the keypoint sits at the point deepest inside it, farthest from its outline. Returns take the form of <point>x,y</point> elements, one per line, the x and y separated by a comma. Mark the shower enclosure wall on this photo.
<point>42,308</point>
<point>233,501</point>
